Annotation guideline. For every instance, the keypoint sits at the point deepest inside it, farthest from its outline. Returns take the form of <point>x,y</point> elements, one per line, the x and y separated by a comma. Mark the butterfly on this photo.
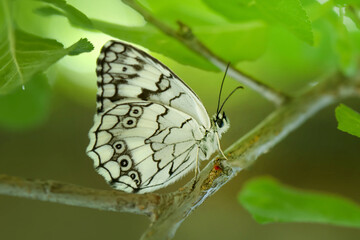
<point>150,128</point>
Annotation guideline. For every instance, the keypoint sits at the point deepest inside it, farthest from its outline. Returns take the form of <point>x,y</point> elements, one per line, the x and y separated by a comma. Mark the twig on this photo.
<point>69,194</point>
<point>185,36</point>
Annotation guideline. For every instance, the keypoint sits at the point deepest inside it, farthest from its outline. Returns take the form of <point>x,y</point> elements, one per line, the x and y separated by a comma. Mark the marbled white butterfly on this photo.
<point>150,128</point>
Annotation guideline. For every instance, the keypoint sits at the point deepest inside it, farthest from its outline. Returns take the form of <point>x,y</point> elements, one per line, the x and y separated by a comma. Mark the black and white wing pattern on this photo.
<point>127,72</point>
<point>149,127</point>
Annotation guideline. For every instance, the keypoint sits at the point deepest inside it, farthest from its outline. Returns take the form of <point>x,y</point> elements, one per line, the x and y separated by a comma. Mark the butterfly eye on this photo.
<point>125,162</point>
<point>129,122</point>
<point>136,111</point>
<point>119,146</point>
<point>220,122</point>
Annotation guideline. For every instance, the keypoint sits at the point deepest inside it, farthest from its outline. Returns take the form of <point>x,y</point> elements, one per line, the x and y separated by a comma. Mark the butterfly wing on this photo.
<point>149,123</point>
<point>125,72</point>
<point>140,146</point>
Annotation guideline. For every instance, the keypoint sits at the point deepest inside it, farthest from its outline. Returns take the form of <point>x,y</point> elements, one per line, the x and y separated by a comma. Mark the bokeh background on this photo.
<point>52,145</point>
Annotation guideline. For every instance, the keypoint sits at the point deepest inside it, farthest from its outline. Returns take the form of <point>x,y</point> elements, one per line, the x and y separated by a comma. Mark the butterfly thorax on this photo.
<point>209,144</point>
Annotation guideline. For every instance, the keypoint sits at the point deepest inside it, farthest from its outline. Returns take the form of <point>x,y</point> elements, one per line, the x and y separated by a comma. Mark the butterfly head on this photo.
<point>221,123</point>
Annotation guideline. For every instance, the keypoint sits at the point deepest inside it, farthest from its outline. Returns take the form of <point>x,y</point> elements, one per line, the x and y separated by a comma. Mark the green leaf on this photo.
<point>24,54</point>
<point>236,10</point>
<point>269,201</point>
<point>26,108</point>
<point>32,55</point>
<point>10,71</point>
<point>192,12</point>
<point>48,11</point>
<point>348,120</point>
<point>81,46</point>
<point>220,39</point>
<point>75,17</point>
<point>345,49</point>
<point>289,13</point>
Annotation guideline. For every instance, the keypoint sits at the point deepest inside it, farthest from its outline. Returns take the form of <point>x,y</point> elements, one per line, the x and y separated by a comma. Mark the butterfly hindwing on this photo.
<point>140,146</point>
<point>125,72</point>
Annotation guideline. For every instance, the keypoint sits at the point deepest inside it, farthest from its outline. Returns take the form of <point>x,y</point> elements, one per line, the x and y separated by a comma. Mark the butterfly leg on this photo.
<point>220,150</point>
<point>197,168</point>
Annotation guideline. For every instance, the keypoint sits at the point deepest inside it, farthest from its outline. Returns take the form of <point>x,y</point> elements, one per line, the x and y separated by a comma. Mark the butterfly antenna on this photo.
<point>222,105</point>
<point>222,83</point>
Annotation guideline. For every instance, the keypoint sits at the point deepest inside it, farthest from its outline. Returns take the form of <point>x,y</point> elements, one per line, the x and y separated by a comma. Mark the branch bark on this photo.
<point>69,194</point>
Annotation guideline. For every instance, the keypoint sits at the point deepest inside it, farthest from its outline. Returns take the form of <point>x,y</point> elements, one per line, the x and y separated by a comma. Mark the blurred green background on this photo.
<point>50,144</point>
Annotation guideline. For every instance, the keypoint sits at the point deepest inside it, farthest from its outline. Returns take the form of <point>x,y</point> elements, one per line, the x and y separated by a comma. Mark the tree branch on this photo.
<point>185,36</point>
<point>69,194</point>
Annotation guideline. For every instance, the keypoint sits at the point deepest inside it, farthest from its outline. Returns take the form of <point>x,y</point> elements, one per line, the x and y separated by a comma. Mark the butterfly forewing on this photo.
<point>126,72</point>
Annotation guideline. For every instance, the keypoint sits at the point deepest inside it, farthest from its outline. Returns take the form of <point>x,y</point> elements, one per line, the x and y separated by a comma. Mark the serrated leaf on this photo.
<point>23,54</point>
<point>32,55</point>
<point>269,201</point>
<point>81,46</point>
<point>348,120</point>
<point>26,108</point>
